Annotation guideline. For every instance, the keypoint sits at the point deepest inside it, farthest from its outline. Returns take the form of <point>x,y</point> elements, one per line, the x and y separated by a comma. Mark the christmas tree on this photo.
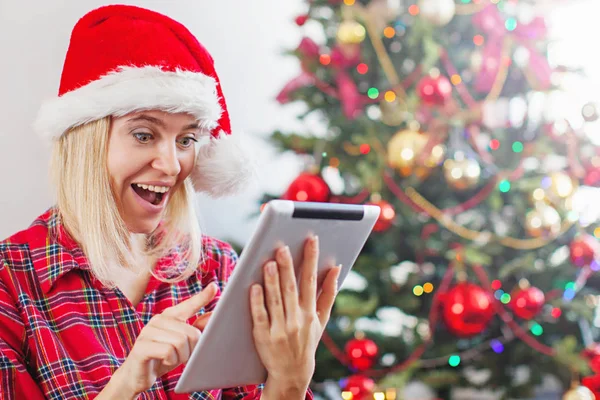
<point>481,271</point>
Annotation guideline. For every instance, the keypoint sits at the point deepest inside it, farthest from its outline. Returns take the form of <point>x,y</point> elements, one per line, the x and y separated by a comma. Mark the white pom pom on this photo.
<point>223,167</point>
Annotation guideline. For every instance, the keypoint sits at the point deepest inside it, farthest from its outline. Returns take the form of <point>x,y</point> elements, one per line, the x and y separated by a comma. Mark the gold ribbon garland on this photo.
<point>483,237</point>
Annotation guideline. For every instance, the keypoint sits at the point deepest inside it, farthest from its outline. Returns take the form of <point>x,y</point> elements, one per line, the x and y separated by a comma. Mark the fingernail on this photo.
<point>284,251</point>
<point>315,239</point>
<point>255,290</point>
<point>271,268</point>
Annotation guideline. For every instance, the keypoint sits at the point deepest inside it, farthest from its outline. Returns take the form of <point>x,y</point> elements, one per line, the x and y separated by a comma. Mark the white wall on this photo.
<point>246,38</point>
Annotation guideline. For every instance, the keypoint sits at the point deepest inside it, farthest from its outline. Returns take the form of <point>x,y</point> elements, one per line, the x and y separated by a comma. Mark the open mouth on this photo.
<point>152,194</point>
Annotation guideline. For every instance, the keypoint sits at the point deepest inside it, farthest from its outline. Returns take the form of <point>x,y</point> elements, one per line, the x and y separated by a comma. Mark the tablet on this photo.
<point>225,355</point>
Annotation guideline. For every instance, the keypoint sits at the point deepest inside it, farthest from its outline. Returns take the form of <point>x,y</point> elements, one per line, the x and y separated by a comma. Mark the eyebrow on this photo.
<point>159,122</point>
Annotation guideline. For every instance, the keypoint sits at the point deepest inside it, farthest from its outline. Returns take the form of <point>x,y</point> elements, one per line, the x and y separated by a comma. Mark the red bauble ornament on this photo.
<point>360,386</point>
<point>583,250</point>
<point>361,353</point>
<point>592,176</point>
<point>592,354</point>
<point>308,187</point>
<point>301,19</point>
<point>434,91</point>
<point>467,309</point>
<point>527,303</point>
<point>386,216</point>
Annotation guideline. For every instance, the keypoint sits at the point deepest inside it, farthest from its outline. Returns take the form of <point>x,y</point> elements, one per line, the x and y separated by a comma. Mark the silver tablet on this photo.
<point>225,355</point>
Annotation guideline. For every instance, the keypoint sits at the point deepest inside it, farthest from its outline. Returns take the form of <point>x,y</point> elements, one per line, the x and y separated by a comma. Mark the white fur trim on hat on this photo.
<point>222,167</point>
<point>130,89</point>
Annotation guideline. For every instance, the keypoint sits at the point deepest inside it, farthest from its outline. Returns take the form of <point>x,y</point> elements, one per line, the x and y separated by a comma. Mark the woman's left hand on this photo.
<point>288,325</point>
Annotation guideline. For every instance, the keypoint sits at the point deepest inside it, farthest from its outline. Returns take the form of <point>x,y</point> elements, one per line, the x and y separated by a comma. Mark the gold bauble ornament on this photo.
<point>462,173</point>
<point>404,151</point>
<point>351,32</point>
<point>578,392</point>
<point>542,221</point>
<point>561,185</point>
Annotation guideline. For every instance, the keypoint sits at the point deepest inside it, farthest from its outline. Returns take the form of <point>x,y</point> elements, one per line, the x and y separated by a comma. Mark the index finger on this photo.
<point>186,309</point>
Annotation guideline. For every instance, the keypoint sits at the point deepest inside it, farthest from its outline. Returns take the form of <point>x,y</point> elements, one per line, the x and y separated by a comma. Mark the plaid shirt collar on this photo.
<point>55,253</point>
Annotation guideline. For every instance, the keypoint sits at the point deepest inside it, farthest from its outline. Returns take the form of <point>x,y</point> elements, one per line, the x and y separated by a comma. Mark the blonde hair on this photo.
<point>88,210</point>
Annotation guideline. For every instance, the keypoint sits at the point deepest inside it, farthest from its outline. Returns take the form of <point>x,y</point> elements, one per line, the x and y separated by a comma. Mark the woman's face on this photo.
<point>150,154</point>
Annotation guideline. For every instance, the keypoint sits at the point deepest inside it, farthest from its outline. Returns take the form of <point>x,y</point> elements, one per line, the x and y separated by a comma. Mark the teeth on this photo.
<point>152,188</point>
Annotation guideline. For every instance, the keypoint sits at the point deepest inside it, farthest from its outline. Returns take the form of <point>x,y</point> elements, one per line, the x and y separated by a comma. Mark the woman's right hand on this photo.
<point>163,344</point>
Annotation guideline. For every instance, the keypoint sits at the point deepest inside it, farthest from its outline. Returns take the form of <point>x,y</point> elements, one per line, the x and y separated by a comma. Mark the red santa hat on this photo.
<point>123,59</point>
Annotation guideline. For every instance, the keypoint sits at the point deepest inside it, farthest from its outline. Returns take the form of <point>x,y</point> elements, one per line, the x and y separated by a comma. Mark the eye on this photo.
<point>142,137</point>
<point>187,141</point>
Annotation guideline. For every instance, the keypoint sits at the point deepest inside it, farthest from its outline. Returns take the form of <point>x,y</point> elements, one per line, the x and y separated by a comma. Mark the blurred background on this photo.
<point>473,124</point>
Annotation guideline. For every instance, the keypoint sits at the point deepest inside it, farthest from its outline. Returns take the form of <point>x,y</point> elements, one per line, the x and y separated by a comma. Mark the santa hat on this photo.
<point>123,59</point>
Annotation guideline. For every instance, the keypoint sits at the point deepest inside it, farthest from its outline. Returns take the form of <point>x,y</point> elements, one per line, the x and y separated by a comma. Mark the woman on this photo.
<point>104,295</point>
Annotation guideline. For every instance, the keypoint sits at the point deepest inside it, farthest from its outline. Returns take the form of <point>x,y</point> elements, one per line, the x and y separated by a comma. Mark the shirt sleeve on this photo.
<point>15,380</point>
<point>228,260</point>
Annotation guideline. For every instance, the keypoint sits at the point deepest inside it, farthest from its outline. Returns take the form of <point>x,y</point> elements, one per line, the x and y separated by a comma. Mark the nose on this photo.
<point>166,160</point>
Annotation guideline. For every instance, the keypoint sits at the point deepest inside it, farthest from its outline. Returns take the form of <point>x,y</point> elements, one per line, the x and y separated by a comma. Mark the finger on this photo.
<point>192,333</point>
<point>202,320</point>
<point>186,309</point>
<point>327,296</point>
<point>308,281</point>
<point>287,281</point>
<point>163,352</point>
<point>260,317</point>
<point>273,295</point>
<point>176,339</point>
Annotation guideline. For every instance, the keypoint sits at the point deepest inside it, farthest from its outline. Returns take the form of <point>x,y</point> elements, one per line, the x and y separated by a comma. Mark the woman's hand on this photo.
<point>165,342</point>
<point>288,325</point>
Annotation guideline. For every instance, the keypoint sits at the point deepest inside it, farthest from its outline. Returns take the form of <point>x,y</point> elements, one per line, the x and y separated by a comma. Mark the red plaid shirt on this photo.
<point>63,334</point>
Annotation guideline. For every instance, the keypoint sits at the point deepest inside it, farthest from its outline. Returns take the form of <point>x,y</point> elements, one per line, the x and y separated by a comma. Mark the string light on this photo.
<point>428,287</point>
<point>334,162</point>
<point>498,294</point>
<point>373,93</point>
<point>569,294</point>
<point>362,68</point>
<point>347,395</point>
<point>537,329</point>
<point>570,285</point>
<point>390,96</point>
<point>390,394</point>
<point>504,186</point>
<point>517,147</point>
<point>418,290</point>
<point>389,32</point>
<point>496,284</point>
<point>597,232</point>
<point>349,2</point>
<point>413,10</point>
<point>324,154</point>
<point>538,194</point>
<point>556,312</point>
<point>505,298</point>
<point>478,40</point>
<point>454,360</point>
<point>455,79</point>
<point>511,24</point>
<point>379,396</point>
<point>325,59</point>
<point>497,346</point>
<point>365,148</point>
<point>494,144</point>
